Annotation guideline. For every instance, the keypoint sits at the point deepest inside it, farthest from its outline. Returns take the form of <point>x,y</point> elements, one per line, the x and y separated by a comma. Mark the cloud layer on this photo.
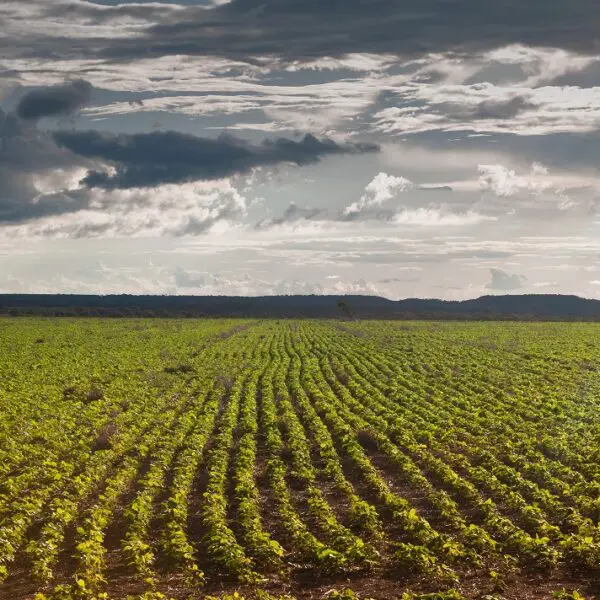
<point>451,149</point>
<point>60,100</point>
<point>301,29</point>
<point>504,282</point>
<point>151,159</point>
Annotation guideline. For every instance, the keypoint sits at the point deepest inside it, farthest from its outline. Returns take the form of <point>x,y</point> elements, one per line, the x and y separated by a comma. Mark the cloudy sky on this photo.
<point>433,148</point>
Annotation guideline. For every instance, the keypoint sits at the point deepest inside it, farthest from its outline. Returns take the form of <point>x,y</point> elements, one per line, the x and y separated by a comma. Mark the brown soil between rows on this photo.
<point>379,585</point>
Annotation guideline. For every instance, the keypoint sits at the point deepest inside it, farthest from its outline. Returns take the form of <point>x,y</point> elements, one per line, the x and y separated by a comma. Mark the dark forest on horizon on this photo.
<point>505,307</point>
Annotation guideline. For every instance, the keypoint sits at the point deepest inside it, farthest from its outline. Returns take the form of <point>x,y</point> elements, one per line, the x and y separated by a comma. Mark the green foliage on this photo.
<point>199,452</point>
<point>565,594</point>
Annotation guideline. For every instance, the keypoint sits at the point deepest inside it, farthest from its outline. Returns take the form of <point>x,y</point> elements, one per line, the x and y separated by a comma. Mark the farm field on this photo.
<point>152,459</point>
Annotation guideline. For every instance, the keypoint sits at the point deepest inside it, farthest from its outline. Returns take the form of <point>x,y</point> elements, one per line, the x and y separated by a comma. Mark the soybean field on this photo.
<point>150,459</point>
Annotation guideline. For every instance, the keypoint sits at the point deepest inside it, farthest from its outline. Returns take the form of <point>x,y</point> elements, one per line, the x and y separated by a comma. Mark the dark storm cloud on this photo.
<point>55,101</point>
<point>152,159</point>
<point>26,154</point>
<point>298,29</point>
<point>145,3</point>
<point>33,161</point>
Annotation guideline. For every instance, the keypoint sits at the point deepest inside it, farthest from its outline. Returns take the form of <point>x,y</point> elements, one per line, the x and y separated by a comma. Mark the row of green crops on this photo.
<point>157,459</point>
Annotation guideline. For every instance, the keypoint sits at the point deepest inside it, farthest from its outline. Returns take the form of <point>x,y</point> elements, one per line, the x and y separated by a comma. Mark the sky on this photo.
<point>403,148</point>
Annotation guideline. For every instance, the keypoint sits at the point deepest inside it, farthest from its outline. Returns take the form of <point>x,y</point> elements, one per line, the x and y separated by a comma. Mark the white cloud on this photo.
<point>353,62</point>
<point>435,217</point>
<point>437,92</point>
<point>448,108</point>
<point>505,182</point>
<point>171,210</point>
<point>503,281</point>
<point>214,284</point>
<point>539,64</point>
<point>537,193</point>
<point>380,189</point>
<point>365,256</point>
<point>509,89</point>
<point>30,19</point>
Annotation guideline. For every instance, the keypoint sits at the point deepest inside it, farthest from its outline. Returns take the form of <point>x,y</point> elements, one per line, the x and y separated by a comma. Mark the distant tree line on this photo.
<point>511,307</point>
